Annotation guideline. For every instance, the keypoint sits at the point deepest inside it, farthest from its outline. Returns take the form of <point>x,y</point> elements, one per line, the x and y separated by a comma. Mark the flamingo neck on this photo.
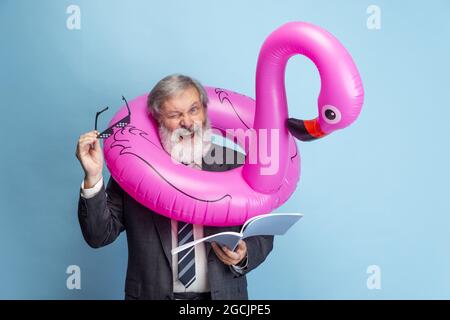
<point>271,104</point>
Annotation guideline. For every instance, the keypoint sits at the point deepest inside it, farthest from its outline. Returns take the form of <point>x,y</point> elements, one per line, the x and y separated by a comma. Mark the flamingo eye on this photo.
<point>331,114</point>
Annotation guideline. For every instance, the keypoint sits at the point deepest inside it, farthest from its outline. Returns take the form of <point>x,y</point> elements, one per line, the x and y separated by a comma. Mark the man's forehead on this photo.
<point>182,101</point>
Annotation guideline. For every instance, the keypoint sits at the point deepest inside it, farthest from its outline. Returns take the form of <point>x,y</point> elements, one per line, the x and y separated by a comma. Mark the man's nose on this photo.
<point>187,123</point>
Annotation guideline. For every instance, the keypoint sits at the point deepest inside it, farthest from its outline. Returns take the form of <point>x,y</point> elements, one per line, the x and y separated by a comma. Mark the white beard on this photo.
<point>185,148</point>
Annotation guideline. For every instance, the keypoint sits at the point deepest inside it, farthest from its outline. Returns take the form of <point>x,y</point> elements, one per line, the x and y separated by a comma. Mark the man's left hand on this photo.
<point>230,257</point>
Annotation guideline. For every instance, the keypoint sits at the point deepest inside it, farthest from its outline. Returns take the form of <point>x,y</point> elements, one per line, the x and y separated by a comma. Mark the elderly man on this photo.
<point>179,103</point>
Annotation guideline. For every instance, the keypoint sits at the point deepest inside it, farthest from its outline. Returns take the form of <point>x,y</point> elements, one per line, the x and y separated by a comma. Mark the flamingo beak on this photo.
<point>305,130</point>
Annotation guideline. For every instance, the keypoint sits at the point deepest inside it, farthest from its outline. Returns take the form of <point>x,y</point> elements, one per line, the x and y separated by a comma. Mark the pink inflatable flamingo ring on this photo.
<point>137,161</point>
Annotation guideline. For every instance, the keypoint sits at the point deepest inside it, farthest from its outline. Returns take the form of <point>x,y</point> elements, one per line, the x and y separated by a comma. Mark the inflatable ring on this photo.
<point>137,161</point>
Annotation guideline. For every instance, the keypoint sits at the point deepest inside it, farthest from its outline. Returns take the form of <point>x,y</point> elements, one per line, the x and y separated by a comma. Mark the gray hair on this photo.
<point>169,87</point>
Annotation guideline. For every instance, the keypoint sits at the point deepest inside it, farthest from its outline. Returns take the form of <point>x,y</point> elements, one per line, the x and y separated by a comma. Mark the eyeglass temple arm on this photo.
<point>96,116</point>
<point>126,103</point>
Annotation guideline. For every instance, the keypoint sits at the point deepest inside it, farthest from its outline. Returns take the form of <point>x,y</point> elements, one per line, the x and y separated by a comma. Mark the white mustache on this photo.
<point>187,146</point>
<point>184,132</point>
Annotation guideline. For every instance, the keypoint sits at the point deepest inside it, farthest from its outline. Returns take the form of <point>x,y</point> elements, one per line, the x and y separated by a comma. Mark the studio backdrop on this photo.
<point>374,196</point>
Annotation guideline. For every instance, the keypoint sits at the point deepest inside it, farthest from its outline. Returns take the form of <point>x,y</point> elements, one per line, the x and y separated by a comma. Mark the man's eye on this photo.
<point>194,109</point>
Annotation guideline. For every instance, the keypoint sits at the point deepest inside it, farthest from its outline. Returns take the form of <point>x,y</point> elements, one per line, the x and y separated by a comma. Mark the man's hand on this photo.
<point>90,155</point>
<point>230,257</point>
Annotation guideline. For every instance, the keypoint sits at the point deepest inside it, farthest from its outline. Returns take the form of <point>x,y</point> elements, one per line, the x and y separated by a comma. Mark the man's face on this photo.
<point>183,111</point>
<point>184,128</point>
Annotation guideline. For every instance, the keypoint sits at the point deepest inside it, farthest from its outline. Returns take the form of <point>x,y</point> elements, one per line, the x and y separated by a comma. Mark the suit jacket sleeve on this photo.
<point>258,248</point>
<point>101,217</point>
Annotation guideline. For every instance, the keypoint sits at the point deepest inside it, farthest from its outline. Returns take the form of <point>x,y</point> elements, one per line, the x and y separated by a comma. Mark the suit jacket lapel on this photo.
<point>164,227</point>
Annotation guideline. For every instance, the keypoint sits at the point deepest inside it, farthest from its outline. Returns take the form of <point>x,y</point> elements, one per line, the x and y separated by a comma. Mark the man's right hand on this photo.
<point>90,155</point>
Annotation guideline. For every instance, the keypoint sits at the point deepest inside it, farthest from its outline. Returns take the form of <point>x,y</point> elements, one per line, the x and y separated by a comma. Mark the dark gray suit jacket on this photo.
<point>149,275</point>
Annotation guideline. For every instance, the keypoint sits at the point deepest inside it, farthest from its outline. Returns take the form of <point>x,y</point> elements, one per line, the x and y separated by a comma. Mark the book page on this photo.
<point>228,238</point>
<point>266,224</point>
<point>270,224</point>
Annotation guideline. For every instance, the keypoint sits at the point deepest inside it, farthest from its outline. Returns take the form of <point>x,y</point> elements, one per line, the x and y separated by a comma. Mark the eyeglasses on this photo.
<point>119,124</point>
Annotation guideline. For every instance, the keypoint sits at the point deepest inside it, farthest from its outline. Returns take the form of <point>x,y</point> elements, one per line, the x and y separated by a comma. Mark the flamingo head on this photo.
<point>331,116</point>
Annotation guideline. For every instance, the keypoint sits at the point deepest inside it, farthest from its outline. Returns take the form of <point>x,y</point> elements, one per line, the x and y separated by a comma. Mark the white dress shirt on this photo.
<point>201,283</point>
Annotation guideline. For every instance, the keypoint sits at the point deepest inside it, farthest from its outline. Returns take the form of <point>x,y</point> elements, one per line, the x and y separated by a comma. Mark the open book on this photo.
<point>266,224</point>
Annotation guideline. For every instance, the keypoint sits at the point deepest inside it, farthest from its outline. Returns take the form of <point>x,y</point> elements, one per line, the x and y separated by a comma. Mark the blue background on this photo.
<point>373,194</point>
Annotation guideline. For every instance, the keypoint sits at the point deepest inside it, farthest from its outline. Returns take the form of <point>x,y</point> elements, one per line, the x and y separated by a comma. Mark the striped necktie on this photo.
<point>186,258</point>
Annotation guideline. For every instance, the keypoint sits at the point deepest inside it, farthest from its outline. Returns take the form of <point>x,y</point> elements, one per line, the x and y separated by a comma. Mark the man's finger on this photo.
<point>241,247</point>
<point>88,134</point>
<point>87,140</point>
<point>218,250</point>
<point>231,254</point>
<point>84,138</point>
<point>241,253</point>
<point>87,137</point>
<point>222,256</point>
<point>97,144</point>
<point>241,244</point>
